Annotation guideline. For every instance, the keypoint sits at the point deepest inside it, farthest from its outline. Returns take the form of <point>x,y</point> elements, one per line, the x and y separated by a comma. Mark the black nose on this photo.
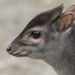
<point>9,49</point>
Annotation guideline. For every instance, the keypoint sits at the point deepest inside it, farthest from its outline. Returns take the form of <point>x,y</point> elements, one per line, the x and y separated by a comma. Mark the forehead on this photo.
<point>40,20</point>
<point>37,28</point>
<point>45,18</point>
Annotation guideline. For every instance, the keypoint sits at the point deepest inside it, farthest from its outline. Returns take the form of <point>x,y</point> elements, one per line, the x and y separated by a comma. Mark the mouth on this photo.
<point>20,54</point>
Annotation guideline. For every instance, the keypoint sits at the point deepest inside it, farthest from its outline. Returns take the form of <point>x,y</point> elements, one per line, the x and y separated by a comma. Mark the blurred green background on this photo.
<point>14,16</point>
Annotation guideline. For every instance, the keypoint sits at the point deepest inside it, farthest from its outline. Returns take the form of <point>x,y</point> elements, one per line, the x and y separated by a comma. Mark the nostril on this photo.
<point>9,48</point>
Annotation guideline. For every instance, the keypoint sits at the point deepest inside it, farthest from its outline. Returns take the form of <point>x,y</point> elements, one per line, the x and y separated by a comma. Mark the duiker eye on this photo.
<point>35,34</point>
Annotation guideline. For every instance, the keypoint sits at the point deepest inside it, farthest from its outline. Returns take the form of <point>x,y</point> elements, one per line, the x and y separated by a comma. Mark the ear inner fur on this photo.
<point>65,21</point>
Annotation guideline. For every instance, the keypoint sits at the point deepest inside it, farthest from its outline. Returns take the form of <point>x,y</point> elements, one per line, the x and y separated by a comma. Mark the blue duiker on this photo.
<point>49,36</point>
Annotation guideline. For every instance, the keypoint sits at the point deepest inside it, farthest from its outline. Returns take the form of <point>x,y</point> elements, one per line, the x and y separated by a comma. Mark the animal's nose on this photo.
<point>9,49</point>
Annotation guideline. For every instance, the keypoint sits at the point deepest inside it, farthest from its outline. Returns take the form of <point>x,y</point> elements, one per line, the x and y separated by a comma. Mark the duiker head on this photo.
<point>49,36</point>
<point>41,37</point>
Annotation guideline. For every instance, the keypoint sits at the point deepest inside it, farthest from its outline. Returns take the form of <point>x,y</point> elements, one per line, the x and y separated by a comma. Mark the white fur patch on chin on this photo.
<point>74,22</point>
<point>68,31</point>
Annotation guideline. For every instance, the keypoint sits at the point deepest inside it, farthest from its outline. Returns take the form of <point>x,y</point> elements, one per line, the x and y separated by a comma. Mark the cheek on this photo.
<point>35,41</point>
<point>39,46</point>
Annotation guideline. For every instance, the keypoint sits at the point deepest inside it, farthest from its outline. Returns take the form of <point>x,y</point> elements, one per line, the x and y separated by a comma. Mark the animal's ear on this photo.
<point>71,9</point>
<point>65,22</point>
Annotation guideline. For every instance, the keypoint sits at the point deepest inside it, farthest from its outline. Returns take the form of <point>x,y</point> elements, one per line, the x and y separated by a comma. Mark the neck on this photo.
<point>64,60</point>
<point>63,66</point>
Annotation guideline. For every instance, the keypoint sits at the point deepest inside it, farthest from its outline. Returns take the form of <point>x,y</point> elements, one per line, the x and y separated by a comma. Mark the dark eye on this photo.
<point>35,34</point>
